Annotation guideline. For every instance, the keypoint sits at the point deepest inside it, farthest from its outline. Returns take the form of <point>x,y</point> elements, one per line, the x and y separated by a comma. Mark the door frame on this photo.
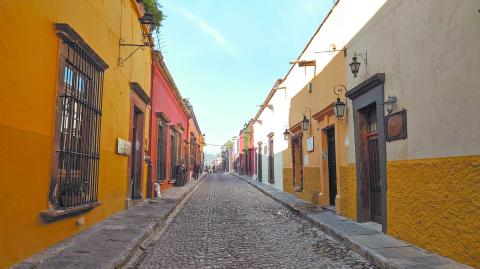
<point>138,104</point>
<point>332,129</point>
<point>363,95</point>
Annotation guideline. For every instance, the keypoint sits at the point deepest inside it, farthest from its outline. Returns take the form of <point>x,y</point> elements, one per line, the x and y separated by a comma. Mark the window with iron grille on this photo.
<point>78,120</point>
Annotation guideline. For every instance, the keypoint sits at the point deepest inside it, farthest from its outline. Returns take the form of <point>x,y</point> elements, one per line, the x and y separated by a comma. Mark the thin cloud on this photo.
<point>205,27</point>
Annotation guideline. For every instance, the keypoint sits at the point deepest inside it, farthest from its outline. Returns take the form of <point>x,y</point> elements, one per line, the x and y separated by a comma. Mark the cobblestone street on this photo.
<point>227,223</point>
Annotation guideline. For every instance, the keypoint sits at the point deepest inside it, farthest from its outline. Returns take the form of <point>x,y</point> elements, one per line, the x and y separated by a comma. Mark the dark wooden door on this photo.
<point>332,166</point>
<point>271,176</point>
<point>371,164</point>
<point>136,163</point>
<point>259,162</point>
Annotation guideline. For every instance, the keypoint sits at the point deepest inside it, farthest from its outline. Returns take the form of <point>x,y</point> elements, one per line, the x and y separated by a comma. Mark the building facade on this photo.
<point>83,105</point>
<point>314,155</point>
<point>170,122</point>
<point>263,124</point>
<point>417,178</point>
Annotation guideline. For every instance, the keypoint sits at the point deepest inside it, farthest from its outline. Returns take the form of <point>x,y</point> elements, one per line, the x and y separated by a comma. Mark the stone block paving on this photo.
<point>112,242</point>
<point>379,249</point>
<point>229,224</point>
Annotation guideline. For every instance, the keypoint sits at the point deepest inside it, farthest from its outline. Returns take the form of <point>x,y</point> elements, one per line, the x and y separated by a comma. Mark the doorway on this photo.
<point>370,149</point>
<point>136,157</point>
<point>271,175</point>
<point>370,169</point>
<point>332,165</point>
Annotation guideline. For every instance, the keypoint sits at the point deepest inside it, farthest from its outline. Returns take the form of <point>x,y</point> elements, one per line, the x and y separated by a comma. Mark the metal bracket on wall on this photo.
<point>122,43</point>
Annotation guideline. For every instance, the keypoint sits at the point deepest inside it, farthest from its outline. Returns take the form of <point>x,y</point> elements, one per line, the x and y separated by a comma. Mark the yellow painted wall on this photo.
<point>315,188</point>
<point>29,53</point>
<point>431,203</point>
<point>348,191</point>
<point>435,204</point>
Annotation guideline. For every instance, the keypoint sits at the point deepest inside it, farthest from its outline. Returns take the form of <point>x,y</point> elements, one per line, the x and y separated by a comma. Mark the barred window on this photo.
<point>78,118</point>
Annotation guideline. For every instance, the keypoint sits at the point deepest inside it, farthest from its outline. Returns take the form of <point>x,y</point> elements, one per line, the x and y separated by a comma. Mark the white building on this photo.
<point>345,19</point>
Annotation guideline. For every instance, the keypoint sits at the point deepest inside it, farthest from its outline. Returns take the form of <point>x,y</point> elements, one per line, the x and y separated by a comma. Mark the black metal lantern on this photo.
<point>305,123</point>
<point>286,135</point>
<point>355,66</point>
<point>147,19</point>
<point>339,108</point>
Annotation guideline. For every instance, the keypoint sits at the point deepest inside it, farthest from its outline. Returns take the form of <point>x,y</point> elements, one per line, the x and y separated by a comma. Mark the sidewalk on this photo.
<point>112,242</point>
<point>378,248</point>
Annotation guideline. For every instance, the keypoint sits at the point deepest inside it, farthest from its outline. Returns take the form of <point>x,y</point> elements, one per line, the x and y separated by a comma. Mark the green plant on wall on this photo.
<point>153,7</point>
<point>229,144</point>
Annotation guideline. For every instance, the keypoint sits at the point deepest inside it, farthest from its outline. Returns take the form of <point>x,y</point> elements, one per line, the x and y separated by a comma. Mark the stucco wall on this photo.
<point>29,52</point>
<point>429,54</point>
<point>348,191</point>
<point>434,203</point>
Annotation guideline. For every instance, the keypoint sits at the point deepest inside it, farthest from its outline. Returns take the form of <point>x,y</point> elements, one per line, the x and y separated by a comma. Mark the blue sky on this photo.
<point>226,55</point>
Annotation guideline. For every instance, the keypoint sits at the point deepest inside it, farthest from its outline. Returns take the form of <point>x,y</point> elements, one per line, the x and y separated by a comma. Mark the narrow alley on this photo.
<point>229,224</point>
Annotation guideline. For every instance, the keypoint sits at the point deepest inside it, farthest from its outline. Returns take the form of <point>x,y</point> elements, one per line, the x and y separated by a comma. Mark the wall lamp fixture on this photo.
<point>390,103</point>
<point>306,121</point>
<point>339,106</point>
<point>355,64</point>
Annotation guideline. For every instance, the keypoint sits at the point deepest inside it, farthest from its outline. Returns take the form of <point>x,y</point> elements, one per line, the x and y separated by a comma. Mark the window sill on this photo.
<point>161,182</point>
<point>58,214</point>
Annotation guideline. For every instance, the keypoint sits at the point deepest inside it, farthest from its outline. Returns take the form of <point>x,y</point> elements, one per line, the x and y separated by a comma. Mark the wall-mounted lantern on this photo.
<point>339,106</point>
<point>355,64</point>
<point>305,123</point>
<point>147,19</point>
<point>286,135</point>
<point>390,103</point>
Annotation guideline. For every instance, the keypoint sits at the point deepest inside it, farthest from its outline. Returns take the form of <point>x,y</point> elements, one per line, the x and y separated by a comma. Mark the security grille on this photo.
<point>78,137</point>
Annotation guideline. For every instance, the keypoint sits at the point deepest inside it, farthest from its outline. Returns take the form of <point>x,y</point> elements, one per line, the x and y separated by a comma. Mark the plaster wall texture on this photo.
<point>319,102</point>
<point>27,109</point>
<point>164,100</point>
<point>429,53</point>
<point>346,18</point>
<point>262,130</point>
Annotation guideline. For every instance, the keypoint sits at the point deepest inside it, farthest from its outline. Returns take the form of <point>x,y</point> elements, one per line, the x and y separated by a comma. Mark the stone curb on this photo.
<point>114,241</point>
<point>381,250</point>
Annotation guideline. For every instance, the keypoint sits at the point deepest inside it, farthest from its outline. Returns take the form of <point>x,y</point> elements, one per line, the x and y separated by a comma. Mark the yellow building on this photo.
<point>69,95</point>
<point>313,156</point>
<point>413,126</point>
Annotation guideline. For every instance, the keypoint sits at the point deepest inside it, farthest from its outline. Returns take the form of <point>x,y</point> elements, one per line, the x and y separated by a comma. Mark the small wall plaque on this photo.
<point>396,125</point>
<point>310,144</point>
<point>123,147</point>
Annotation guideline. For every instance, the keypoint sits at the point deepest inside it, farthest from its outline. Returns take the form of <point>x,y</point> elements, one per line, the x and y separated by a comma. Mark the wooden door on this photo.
<point>271,176</point>
<point>332,166</point>
<point>259,162</point>
<point>371,183</point>
<point>136,163</point>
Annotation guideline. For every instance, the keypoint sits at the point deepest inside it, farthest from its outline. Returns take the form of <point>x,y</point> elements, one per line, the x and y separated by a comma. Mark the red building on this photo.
<point>169,125</point>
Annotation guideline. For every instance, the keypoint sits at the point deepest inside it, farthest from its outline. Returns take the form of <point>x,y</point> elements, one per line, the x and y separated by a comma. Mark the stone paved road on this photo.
<point>229,224</point>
